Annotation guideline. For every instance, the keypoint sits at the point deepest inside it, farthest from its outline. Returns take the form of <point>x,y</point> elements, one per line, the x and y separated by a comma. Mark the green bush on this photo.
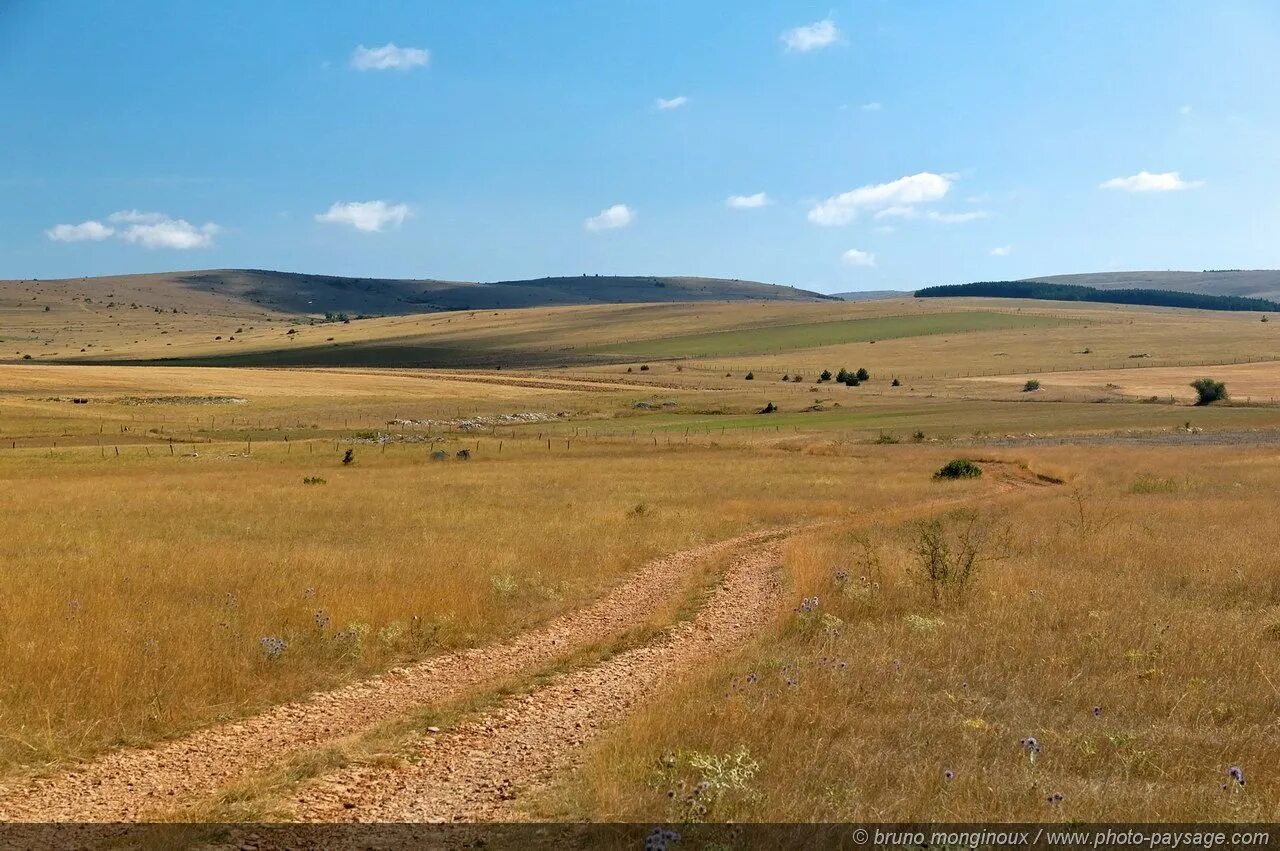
<point>1031,386</point>
<point>862,374</point>
<point>959,468</point>
<point>1209,391</point>
<point>825,376</point>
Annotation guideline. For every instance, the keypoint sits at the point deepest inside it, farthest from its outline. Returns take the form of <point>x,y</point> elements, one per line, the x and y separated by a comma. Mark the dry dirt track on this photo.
<point>130,785</point>
<point>475,770</point>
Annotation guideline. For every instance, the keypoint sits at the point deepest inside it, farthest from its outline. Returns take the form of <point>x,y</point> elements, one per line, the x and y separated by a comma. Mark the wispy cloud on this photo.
<point>895,198</point>
<point>957,218</point>
<point>857,257</point>
<point>748,202</point>
<point>150,230</point>
<point>389,58</point>
<point>1001,251</point>
<point>617,216</point>
<point>90,231</point>
<point>368,216</point>
<point>1145,181</point>
<point>671,103</point>
<point>813,36</point>
<point>874,106</point>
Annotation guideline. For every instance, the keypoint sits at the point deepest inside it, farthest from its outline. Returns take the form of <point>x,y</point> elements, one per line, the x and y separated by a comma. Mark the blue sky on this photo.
<point>897,144</point>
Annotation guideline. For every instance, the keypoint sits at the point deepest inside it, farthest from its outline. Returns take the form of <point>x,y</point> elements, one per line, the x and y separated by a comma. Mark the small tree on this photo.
<point>1209,391</point>
<point>751,376</point>
<point>862,374</point>
<point>843,376</point>
<point>951,549</point>
<point>1031,386</point>
<point>895,383</point>
<point>826,375</point>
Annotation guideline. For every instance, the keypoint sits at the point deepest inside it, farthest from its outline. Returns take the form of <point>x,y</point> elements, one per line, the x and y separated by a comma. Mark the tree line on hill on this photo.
<point>1077,292</point>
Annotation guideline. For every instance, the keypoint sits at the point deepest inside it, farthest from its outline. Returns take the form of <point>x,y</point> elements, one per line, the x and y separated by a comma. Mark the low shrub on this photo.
<point>959,468</point>
<point>1209,391</point>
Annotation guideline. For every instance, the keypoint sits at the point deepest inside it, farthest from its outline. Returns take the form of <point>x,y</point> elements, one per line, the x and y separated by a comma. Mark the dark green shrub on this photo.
<point>751,376</point>
<point>826,375</point>
<point>959,468</point>
<point>1209,391</point>
<point>862,374</point>
<point>1031,386</point>
<point>895,383</point>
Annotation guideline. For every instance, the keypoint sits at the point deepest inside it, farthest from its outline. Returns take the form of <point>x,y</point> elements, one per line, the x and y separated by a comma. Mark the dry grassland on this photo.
<point>143,594</point>
<point>1131,633</point>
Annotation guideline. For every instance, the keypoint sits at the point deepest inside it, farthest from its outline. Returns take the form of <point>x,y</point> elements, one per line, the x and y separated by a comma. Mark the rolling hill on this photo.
<point>246,292</point>
<point>1246,283</point>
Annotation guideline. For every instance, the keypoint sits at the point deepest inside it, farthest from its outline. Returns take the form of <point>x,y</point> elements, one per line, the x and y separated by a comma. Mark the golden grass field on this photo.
<point>1156,606</point>
<point>160,531</point>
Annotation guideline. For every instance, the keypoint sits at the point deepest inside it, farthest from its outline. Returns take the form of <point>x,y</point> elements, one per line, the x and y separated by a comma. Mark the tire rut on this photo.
<point>134,783</point>
<point>476,771</point>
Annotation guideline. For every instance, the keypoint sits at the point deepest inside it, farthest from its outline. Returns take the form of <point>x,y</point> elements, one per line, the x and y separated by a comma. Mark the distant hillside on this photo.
<point>1072,292</point>
<point>235,291</point>
<point>1247,283</point>
<point>871,295</point>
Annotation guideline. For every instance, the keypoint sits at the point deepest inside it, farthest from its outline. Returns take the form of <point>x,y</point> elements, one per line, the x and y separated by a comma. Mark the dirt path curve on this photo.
<point>476,770</point>
<point>130,784</point>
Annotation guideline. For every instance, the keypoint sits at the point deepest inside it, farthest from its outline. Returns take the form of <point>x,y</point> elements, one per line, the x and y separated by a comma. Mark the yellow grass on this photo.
<point>138,589</point>
<point>138,586</point>
<point>1161,609</point>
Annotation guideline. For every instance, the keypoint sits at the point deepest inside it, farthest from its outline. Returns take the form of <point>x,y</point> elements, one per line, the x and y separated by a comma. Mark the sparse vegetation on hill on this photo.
<point>1074,292</point>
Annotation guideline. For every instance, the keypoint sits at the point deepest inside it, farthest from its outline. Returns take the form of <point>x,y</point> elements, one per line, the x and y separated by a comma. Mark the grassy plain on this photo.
<point>1128,624</point>
<point>159,531</point>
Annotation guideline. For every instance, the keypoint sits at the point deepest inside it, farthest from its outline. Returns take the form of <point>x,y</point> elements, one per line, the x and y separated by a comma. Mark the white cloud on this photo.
<point>897,196</point>
<point>150,230</point>
<point>748,202</point>
<point>617,216</point>
<point>855,257</point>
<point>1145,181</point>
<point>367,216</point>
<point>671,103</point>
<point>388,57</point>
<point>874,106</point>
<point>90,230</point>
<point>171,233</point>
<point>813,36</point>
<point>1002,251</point>
<point>1185,109</point>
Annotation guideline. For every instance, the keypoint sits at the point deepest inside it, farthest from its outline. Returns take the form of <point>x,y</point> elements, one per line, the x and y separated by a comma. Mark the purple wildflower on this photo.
<point>1236,774</point>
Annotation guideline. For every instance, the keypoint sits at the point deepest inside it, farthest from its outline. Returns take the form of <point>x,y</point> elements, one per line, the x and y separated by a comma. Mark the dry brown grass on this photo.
<point>138,589</point>
<point>1160,609</point>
